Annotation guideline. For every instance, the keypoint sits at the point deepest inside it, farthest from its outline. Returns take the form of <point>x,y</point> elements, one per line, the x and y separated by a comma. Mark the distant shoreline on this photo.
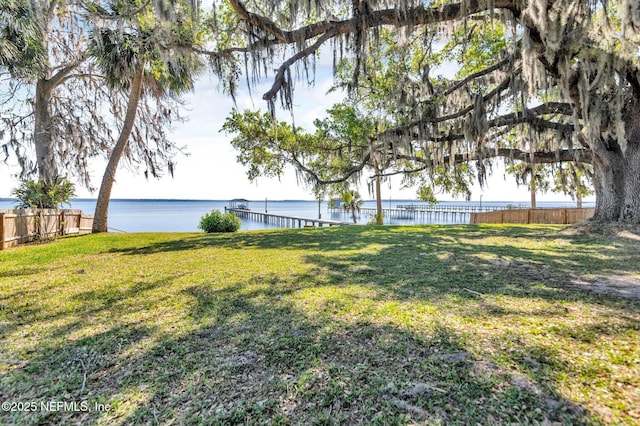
<point>9,199</point>
<point>183,215</point>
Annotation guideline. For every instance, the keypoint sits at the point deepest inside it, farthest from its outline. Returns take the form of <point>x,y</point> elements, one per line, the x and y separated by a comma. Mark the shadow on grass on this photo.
<point>464,240</point>
<point>329,239</point>
<point>19,272</point>
<point>257,358</point>
<point>305,349</point>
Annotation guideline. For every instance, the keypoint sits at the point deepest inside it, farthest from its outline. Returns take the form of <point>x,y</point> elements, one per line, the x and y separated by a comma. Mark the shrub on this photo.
<point>219,222</point>
<point>38,194</point>
<point>376,219</point>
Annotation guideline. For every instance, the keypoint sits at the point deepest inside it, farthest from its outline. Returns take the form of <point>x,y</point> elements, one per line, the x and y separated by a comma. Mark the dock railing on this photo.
<point>284,221</point>
<point>20,226</point>
<point>425,213</point>
<point>447,208</point>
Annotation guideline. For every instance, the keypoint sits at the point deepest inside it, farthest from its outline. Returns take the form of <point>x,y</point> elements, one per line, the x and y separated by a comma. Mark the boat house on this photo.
<point>239,203</point>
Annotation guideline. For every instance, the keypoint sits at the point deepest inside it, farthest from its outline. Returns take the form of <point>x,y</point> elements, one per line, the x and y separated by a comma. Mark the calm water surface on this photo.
<point>184,215</point>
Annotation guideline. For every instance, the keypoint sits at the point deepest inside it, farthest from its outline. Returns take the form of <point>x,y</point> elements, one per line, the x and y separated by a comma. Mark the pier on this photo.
<point>423,212</point>
<point>282,221</point>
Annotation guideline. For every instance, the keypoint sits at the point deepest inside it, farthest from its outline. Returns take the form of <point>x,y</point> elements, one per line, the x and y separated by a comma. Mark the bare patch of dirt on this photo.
<point>620,230</point>
<point>618,285</point>
<point>624,236</point>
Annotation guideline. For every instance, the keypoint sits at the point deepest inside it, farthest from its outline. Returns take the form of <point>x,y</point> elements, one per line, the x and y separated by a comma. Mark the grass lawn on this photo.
<point>352,325</point>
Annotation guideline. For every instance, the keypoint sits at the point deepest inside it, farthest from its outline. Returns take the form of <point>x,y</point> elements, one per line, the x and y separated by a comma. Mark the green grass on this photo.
<point>351,325</point>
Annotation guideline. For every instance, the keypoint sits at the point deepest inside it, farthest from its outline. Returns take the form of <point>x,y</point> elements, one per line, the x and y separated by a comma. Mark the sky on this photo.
<point>211,172</point>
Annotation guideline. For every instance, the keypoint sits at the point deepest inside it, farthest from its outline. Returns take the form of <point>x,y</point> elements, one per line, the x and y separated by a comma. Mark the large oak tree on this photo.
<point>558,82</point>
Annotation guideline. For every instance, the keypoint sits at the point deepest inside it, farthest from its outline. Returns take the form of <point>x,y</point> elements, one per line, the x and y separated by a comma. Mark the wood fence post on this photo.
<point>1,231</point>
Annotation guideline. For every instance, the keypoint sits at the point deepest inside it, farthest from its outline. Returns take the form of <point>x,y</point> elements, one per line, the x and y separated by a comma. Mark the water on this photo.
<point>184,215</point>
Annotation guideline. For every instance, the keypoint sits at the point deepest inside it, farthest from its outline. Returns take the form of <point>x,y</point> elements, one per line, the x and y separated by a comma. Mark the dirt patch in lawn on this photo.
<point>619,230</point>
<point>618,285</point>
<point>623,235</point>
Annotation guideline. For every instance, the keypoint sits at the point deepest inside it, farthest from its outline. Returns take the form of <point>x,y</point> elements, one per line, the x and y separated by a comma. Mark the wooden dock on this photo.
<point>448,209</point>
<point>282,221</point>
<point>422,212</point>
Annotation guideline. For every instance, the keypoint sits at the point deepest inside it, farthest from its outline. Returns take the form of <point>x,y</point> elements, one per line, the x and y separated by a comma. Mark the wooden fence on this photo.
<point>548,216</point>
<point>21,226</point>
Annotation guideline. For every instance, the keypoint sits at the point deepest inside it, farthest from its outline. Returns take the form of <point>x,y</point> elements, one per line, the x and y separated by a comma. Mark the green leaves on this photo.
<point>425,193</point>
<point>219,222</point>
<point>263,144</point>
<point>39,194</point>
<point>22,50</point>
<point>118,54</point>
<point>153,37</point>
<point>475,46</point>
<point>335,153</point>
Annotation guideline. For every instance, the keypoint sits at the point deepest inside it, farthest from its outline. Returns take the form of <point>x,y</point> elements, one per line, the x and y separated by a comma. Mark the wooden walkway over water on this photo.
<point>282,221</point>
<point>422,212</point>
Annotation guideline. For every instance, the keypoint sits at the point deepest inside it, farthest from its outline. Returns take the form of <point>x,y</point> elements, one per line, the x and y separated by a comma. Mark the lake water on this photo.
<point>184,215</point>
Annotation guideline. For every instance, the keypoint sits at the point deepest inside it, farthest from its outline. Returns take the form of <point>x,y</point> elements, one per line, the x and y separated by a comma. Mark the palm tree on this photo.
<point>20,46</point>
<point>352,201</point>
<point>152,56</point>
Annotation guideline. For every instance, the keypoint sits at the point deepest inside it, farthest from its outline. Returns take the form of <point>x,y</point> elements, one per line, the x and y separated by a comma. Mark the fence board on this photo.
<point>515,216</point>
<point>1,231</point>
<point>488,217</point>
<point>85,223</point>
<point>578,215</point>
<point>21,226</point>
<point>526,216</point>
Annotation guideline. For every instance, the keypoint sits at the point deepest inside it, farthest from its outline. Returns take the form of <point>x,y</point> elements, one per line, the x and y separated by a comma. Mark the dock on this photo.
<point>423,212</point>
<point>282,221</point>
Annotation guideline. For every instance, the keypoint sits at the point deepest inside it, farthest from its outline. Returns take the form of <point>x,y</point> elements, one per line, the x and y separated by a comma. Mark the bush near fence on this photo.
<point>528,216</point>
<point>22,226</point>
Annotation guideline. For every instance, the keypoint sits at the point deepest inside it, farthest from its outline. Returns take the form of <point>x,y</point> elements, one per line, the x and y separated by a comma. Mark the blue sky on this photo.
<point>211,170</point>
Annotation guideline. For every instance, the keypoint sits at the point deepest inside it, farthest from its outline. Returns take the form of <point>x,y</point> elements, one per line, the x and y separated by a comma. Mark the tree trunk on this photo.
<point>102,206</point>
<point>45,156</point>
<point>379,215</point>
<point>608,167</point>
<point>533,195</point>
<point>533,186</point>
<point>631,204</point>
<point>617,173</point>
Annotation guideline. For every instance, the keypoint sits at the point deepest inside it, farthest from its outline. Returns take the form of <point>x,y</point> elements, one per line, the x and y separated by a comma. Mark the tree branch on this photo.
<point>279,78</point>
<point>80,75</point>
<point>261,22</point>
<point>94,10</point>
<point>538,157</point>
<point>62,73</point>
<point>531,116</point>
<point>478,74</point>
<point>347,174</point>
<point>376,18</point>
